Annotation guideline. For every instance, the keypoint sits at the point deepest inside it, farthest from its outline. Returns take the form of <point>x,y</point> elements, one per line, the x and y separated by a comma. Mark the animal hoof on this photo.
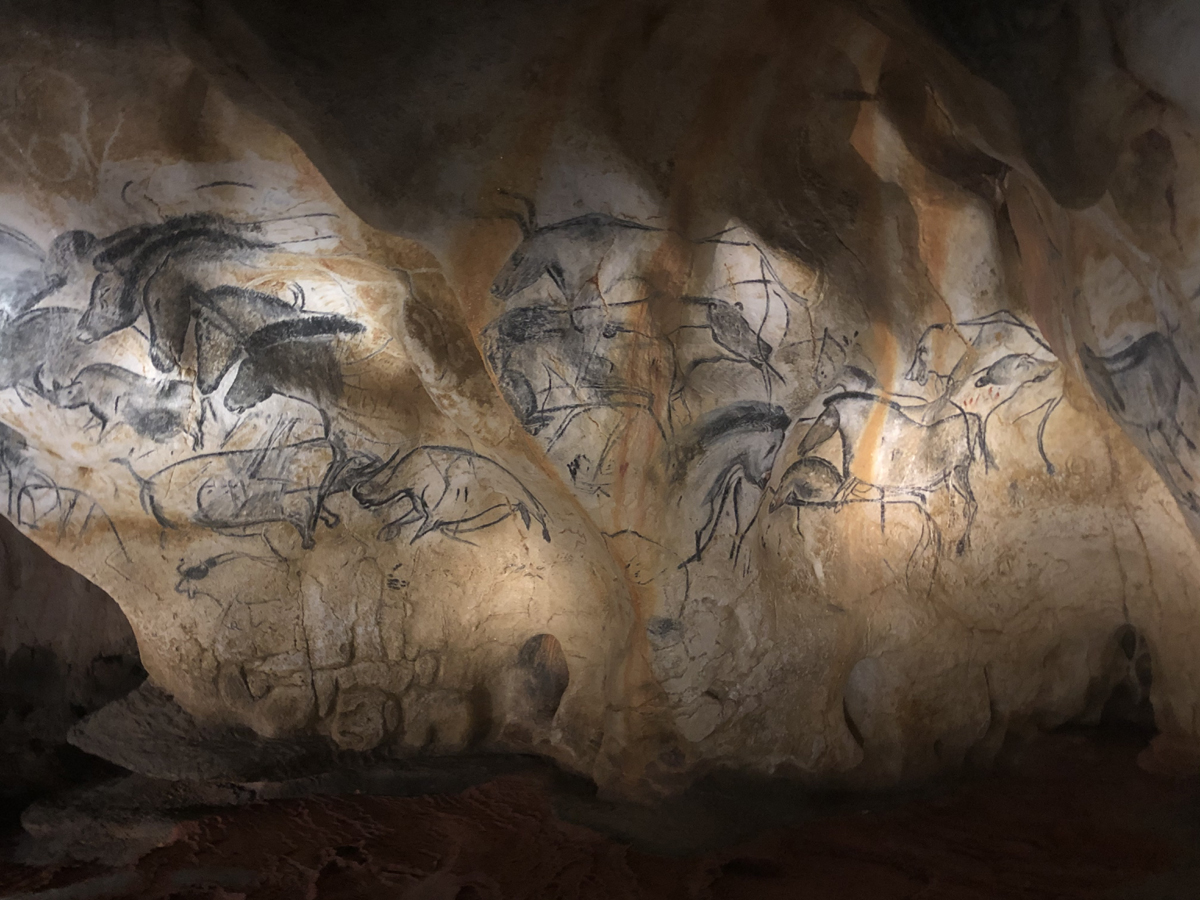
<point>1050,470</point>
<point>961,547</point>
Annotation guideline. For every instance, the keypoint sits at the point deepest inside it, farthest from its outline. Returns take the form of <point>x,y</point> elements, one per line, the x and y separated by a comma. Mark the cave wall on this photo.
<point>652,387</point>
<point>65,651</point>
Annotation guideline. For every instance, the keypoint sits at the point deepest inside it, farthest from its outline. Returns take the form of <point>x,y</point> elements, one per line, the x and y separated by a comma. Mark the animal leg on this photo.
<point>609,442</point>
<point>305,529</point>
<point>391,530</point>
<point>27,494</point>
<point>1180,433</point>
<point>196,430</point>
<point>1170,448</point>
<point>931,538</point>
<point>1192,501</point>
<point>574,411</point>
<point>1191,444</point>
<point>1051,406</point>
<point>975,427</point>
<point>271,547</point>
<point>767,370</point>
<point>87,520</point>
<point>451,530</point>
<point>737,515</point>
<point>960,481</point>
<point>741,531</point>
<point>842,495</point>
<point>989,461</point>
<point>737,550</point>
<point>64,519</point>
<point>771,370</point>
<point>715,511</point>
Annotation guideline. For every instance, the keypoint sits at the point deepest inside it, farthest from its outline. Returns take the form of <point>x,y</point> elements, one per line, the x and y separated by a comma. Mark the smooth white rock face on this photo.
<point>587,476</point>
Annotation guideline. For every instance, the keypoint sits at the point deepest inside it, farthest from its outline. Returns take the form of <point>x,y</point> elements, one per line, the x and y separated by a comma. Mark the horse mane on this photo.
<point>736,418</point>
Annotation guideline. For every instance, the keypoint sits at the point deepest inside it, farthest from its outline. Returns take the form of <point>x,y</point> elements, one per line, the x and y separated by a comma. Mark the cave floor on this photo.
<point>1070,816</point>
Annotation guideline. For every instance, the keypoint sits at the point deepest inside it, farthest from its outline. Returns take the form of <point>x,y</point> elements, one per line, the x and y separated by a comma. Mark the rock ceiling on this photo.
<point>648,386</point>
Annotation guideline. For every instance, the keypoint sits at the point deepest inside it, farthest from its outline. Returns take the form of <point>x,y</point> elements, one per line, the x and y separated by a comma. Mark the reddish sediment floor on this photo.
<point>1071,816</point>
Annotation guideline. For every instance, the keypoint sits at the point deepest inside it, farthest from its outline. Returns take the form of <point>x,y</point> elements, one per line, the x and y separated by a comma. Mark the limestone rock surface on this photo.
<point>651,387</point>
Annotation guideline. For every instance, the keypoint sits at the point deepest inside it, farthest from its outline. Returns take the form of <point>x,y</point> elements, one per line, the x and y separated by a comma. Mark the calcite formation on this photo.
<point>650,387</point>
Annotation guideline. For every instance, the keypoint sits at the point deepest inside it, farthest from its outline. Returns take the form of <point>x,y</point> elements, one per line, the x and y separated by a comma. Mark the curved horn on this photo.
<point>527,223</point>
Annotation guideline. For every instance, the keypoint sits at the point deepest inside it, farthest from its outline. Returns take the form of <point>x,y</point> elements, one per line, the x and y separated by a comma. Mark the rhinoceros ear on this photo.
<point>38,387</point>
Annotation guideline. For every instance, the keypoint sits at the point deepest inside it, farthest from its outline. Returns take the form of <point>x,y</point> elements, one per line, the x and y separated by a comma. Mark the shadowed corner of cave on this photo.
<point>66,650</point>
